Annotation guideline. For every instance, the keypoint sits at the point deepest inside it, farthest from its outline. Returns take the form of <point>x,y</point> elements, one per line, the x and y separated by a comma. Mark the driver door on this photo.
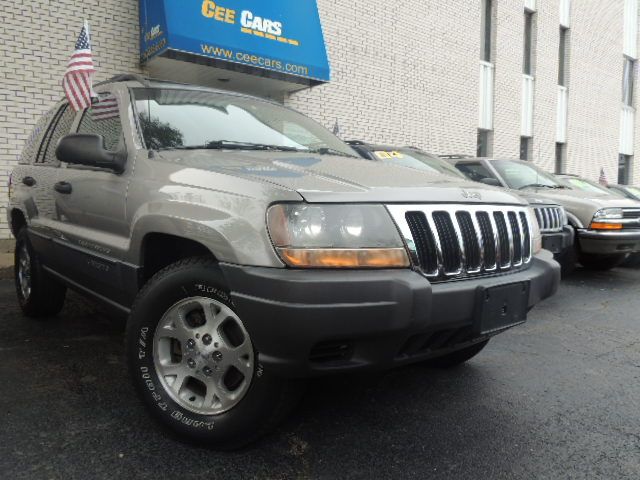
<point>90,204</point>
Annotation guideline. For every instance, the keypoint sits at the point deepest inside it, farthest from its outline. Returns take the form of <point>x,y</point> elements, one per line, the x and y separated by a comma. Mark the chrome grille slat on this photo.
<point>516,232</point>
<point>458,241</point>
<point>490,263</point>
<point>505,239</point>
<point>450,246</point>
<point>496,239</point>
<point>526,228</point>
<point>476,228</point>
<point>550,218</point>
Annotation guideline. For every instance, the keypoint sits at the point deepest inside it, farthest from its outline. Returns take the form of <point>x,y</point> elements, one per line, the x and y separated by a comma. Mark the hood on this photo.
<point>582,205</point>
<point>332,179</point>
<point>536,200</point>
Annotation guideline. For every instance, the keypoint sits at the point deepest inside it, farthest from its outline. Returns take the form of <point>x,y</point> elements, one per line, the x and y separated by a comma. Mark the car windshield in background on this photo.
<point>409,157</point>
<point>634,191</point>
<point>521,175</point>
<point>195,119</point>
<point>587,186</point>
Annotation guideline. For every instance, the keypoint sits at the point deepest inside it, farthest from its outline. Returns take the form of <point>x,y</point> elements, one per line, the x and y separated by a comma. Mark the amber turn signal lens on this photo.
<point>606,226</point>
<point>345,258</point>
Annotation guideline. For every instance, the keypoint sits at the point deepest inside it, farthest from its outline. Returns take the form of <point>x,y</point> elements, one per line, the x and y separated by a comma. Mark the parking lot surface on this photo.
<point>556,398</point>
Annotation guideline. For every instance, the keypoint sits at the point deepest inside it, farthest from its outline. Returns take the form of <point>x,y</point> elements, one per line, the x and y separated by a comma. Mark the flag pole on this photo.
<point>87,28</point>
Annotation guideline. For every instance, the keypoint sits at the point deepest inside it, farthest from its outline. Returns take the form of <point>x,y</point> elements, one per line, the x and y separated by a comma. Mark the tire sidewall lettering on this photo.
<point>146,372</point>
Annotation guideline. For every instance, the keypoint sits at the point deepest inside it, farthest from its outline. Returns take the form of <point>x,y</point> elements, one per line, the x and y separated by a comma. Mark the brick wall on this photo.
<point>36,40</point>
<point>595,88</point>
<point>403,72</point>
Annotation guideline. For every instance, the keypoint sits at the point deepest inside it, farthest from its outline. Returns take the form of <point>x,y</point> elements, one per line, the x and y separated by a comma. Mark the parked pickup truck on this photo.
<point>557,235</point>
<point>251,248</point>
<point>607,227</point>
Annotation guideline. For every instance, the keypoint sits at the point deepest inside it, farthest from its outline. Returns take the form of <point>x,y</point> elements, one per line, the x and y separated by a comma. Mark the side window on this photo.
<point>65,119</point>
<point>103,118</point>
<point>32,145</point>
<point>474,171</point>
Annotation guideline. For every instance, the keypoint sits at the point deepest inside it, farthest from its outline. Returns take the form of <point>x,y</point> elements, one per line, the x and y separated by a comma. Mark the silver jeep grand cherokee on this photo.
<point>250,248</point>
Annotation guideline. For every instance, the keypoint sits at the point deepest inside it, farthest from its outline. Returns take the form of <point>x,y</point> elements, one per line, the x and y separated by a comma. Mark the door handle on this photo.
<point>63,187</point>
<point>29,181</point>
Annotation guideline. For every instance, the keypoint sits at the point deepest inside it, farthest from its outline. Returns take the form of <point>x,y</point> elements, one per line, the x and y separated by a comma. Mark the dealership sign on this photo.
<point>280,37</point>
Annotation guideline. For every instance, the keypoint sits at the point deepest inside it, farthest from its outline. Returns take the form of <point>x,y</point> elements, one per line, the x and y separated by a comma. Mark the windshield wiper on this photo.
<point>233,145</point>
<point>329,151</point>
<point>536,185</point>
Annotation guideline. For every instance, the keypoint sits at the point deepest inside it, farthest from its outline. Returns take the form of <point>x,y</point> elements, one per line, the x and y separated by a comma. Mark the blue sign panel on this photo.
<point>282,36</point>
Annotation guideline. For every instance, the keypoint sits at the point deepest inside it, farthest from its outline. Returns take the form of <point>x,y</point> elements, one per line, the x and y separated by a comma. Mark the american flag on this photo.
<point>603,178</point>
<point>105,109</point>
<point>78,79</point>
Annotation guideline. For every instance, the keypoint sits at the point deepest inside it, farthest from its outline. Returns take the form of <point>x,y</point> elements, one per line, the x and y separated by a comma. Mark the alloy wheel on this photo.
<point>203,356</point>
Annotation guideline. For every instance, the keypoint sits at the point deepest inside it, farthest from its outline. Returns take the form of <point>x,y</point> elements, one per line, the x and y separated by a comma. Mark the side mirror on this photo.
<point>88,149</point>
<point>494,182</point>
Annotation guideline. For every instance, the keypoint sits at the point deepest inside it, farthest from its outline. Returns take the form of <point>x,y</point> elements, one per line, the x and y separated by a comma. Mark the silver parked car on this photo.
<point>249,248</point>
<point>607,227</point>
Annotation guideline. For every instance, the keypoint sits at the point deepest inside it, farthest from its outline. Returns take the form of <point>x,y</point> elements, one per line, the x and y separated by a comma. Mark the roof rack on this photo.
<point>452,156</point>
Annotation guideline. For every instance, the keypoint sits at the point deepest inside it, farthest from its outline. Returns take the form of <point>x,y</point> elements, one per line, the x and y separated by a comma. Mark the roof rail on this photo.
<point>126,77</point>
<point>453,156</point>
<point>354,142</point>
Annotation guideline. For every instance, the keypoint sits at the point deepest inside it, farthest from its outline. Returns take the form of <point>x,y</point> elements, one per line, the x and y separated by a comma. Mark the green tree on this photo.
<point>159,134</point>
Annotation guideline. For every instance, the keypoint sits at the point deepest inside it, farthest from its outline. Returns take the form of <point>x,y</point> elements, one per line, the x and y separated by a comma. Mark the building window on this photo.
<point>627,81</point>
<point>527,64</point>
<point>561,151</point>
<point>484,143</point>
<point>525,147</point>
<point>562,57</point>
<point>487,30</point>
<point>624,169</point>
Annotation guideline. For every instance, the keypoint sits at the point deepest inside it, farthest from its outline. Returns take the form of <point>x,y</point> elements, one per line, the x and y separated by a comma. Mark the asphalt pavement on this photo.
<point>556,398</point>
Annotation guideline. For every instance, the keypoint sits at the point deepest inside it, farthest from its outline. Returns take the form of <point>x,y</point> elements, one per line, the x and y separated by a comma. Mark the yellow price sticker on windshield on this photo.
<point>381,154</point>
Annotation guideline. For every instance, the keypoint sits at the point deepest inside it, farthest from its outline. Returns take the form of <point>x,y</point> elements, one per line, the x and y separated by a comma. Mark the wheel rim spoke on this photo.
<point>203,355</point>
<point>24,272</point>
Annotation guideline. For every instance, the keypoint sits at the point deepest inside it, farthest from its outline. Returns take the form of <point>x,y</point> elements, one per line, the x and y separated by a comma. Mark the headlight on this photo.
<point>609,214</point>
<point>336,236</point>
<point>607,219</point>
<point>536,235</point>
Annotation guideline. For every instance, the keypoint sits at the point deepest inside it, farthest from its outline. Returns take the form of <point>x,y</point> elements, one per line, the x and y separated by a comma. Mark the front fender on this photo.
<point>231,238</point>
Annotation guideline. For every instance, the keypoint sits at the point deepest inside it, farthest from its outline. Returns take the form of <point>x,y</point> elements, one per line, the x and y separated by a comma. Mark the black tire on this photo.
<point>632,261</point>
<point>458,357</point>
<point>601,262</point>
<point>46,296</point>
<point>268,398</point>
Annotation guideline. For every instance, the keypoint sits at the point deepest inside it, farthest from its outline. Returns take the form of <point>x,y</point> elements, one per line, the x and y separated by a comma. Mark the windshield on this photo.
<point>520,175</point>
<point>180,119</point>
<point>634,191</point>
<point>586,185</point>
<point>409,157</point>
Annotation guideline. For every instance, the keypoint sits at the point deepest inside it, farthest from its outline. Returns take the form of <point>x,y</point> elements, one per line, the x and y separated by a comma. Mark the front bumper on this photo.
<point>558,242</point>
<point>305,323</point>
<point>597,242</point>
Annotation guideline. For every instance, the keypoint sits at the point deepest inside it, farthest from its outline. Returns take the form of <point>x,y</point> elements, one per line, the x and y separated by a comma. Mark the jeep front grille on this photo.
<point>550,219</point>
<point>457,241</point>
